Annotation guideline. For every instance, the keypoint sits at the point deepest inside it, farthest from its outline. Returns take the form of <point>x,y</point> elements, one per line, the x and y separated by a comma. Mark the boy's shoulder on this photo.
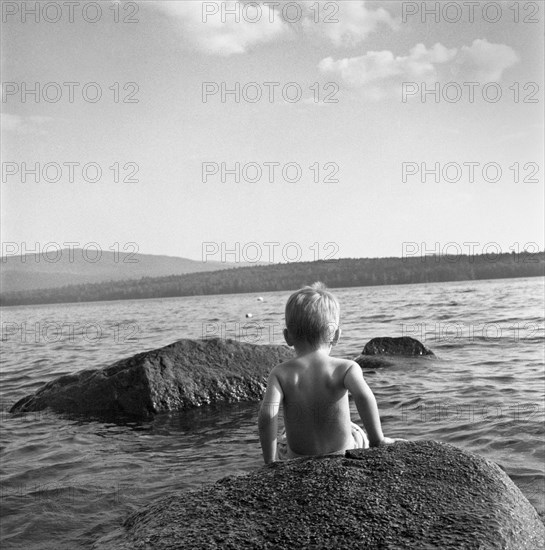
<point>285,365</point>
<point>344,364</point>
<point>334,362</point>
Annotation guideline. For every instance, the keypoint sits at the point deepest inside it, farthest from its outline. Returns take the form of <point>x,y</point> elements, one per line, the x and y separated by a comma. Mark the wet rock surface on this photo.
<point>387,351</point>
<point>410,495</point>
<point>403,345</point>
<point>182,375</point>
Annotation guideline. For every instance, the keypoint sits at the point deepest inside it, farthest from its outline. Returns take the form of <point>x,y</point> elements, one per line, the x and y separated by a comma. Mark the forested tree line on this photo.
<point>347,272</point>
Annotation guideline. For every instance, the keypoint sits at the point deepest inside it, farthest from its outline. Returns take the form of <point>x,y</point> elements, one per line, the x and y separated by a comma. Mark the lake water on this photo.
<point>66,482</point>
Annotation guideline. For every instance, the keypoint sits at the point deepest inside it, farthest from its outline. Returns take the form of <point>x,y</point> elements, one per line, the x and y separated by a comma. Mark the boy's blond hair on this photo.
<point>312,315</point>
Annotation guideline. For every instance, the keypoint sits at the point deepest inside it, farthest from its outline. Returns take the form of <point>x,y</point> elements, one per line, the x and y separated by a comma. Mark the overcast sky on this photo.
<point>362,61</point>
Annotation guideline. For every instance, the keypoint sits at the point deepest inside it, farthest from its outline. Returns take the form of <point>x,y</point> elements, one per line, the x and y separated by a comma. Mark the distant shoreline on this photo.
<point>342,273</point>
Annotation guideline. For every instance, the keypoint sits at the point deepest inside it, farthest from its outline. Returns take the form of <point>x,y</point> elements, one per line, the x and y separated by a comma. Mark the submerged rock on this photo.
<point>182,375</point>
<point>403,345</point>
<point>410,495</point>
<point>381,352</point>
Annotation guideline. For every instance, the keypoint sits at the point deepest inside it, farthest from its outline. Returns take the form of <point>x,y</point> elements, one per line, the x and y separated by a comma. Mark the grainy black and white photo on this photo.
<point>272,274</point>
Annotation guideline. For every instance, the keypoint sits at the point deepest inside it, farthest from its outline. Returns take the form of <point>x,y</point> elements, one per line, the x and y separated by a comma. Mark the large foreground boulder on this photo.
<point>185,374</point>
<point>410,495</point>
<point>388,351</point>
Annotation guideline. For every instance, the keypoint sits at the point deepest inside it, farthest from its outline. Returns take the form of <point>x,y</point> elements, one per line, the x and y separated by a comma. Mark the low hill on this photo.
<point>78,266</point>
<point>335,273</point>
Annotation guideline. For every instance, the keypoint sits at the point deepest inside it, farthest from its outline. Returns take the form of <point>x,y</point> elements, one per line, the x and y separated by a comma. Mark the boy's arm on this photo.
<point>366,404</point>
<point>268,418</point>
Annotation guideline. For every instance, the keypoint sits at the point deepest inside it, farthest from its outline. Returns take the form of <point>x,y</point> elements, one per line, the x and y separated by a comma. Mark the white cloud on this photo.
<point>208,33</point>
<point>24,125</point>
<point>381,73</point>
<point>379,66</point>
<point>354,21</point>
<point>345,23</point>
<point>483,61</point>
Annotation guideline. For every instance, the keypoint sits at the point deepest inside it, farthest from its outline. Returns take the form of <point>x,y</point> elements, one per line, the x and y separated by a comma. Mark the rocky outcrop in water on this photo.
<point>410,495</point>
<point>403,345</point>
<point>185,374</point>
<point>381,352</point>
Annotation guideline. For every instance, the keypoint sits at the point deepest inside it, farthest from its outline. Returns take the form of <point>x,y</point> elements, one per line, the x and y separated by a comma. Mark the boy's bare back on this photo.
<point>316,407</point>
<point>313,390</point>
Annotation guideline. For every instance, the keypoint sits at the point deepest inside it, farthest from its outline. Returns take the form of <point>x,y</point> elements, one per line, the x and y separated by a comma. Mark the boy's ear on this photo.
<point>336,336</point>
<point>289,341</point>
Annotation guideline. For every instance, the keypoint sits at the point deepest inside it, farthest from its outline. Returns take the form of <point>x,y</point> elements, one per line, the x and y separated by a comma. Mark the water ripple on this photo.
<point>74,479</point>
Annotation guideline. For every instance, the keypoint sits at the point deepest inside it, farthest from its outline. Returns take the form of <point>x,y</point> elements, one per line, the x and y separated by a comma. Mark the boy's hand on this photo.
<point>390,441</point>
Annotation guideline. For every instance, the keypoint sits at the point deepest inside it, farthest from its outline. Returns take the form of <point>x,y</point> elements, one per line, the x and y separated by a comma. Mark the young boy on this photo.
<point>313,387</point>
